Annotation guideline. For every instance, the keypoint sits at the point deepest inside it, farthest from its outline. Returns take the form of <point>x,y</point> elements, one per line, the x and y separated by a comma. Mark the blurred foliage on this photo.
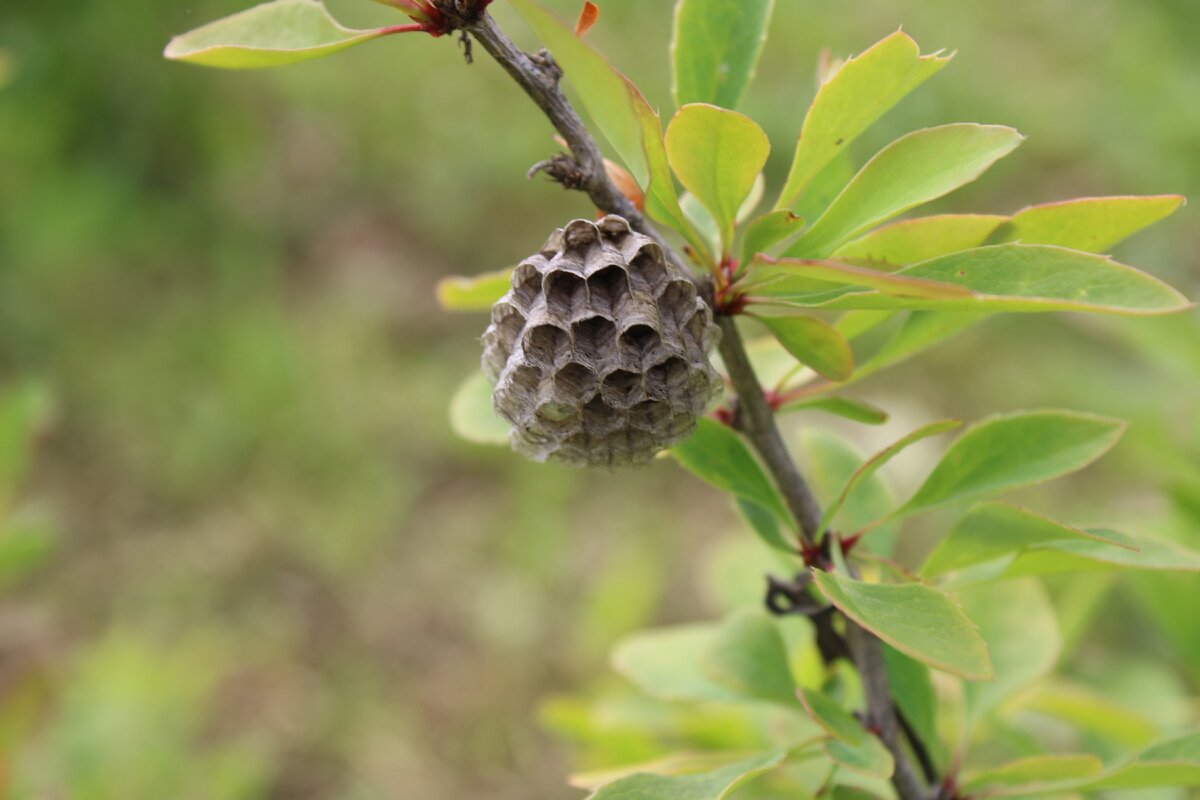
<point>250,560</point>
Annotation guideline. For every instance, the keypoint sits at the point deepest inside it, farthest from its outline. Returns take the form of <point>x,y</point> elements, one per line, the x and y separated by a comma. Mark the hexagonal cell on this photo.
<point>594,339</point>
<point>546,344</point>
<point>648,268</point>
<point>668,378</point>
<point>613,226</point>
<point>607,287</point>
<point>697,326</point>
<point>558,417</point>
<point>566,293</point>
<point>579,235</point>
<point>575,381</point>
<point>598,418</point>
<point>650,415</point>
<point>639,344</point>
<point>526,285</point>
<point>677,299</point>
<point>621,388</point>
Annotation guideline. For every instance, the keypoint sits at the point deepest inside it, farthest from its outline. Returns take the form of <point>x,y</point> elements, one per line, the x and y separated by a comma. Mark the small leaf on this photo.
<point>922,330</point>
<point>851,746</point>
<point>715,49</point>
<point>829,463</point>
<point>877,461</point>
<point>1028,772</point>
<point>587,18</point>
<point>766,524</point>
<point>768,230</point>
<point>1091,224</point>
<point>1013,450</point>
<point>672,765</point>
<point>714,785</point>
<point>1142,552</point>
<point>913,691</point>
<point>666,663</point>
<point>868,757</point>
<point>473,293</point>
<point>813,343</point>
<point>1014,277</point>
<point>1018,623</point>
<point>829,714</point>
<point>1092,713</point>
<point>914,169</point>
<point>471,414</point>
<point>749,658</point>
<point>718,456</point>
<point>996,530</point>
<point>272,34</point>
<point>860,92</point>
<point>917,620</point>
<point>717,155</point>
<point>911,241</point>
<point>845,407</point>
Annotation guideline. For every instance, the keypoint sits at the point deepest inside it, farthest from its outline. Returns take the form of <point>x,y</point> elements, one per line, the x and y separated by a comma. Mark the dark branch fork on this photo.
<point>539,76</point>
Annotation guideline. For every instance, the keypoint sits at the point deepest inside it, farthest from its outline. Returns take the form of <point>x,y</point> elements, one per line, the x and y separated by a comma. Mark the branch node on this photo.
<point>561,169</point>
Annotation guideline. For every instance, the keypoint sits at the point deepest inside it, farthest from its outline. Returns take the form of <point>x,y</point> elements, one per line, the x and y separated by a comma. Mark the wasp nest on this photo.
<point>599,351</point>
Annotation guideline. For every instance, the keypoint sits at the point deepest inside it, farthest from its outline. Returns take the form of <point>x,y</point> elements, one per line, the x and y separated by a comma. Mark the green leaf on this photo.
<point>914,169</point>
<point>850,746</point>
<point>718,456</point>
<point>787,278</point>
<point>859,93</point>
<point>471,414</point>
<point>920,331</point>
<point>1013,450</point>
<point>1142,552</point>
<point>1018,623</point>
<point>998,530</point>
<point>1092,224</point>
<point>917,620</point>
<point>877,461</point>
<point>766,524</point>
<point>913,691</point>
<point>910,241</point>
<point>1089,711</point>
<point>717,155</point>
<point>868,757</point>
<point>829,714</point>
<point>814,343</point>
<point>473,293</point>
<point>1029,773</point>
<point>748,657</point>
<point>846,407</point>
<point>829,463</point>
<point>673,765</point>
<point>1015,277</point>
<point>666,663</point>
<point>768,230</point>
<point>825,187</point>
<point>605,92</point>
<point>269,35</point>
<point>715,785</point>
<point>716,47</point>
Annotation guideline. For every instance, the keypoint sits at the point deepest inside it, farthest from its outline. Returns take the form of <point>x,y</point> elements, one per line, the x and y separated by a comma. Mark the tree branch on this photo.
<point>539,76</point>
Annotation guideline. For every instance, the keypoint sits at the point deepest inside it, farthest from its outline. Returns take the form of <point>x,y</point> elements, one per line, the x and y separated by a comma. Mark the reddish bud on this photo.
<point>587,18</point>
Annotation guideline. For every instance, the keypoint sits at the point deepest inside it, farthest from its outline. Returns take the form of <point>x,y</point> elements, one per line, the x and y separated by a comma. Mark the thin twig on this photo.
<point>539,76</point>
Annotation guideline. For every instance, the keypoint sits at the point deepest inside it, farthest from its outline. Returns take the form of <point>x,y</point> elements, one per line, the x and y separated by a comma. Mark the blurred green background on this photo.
<point>251,561</point>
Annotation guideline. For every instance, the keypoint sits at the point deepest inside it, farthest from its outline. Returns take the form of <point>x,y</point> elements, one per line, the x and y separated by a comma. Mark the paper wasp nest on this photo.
<point>599,351</point>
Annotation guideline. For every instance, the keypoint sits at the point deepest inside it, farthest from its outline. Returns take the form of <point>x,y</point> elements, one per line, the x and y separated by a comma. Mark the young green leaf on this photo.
<point>860,92</point>
<point>845,407</point>
<point>912,689</point>
<point>748,658</point>
<point>914,169</point>
<point>868,757</point>
<point>1013,450</point>
<point>922,330</point>
<point>998,530</point>
<point>917,620</point>
<point>787,278</point>
<point>911,241</point>
<point>717,155</point>
<point>766,524</point>
<point>605,92</point>
<point>1031,773</point>
<point>471,414</point>
<point>473,293</point>
<point>814,343</point>
<point>766,231</point>
<point>829,463</point>
<point>829,714</point>
<point>1092,713</point>
<point>1141,552</point>
<point>269,35</point>
<point>715,785</point>
<point>715,49</point>
<point>718,456</point>
<point>1013,277</point>
<point>1091,224</point>
<point>877,461</point>
<point>675,764</point>
<point>1017,621</point>
<point>666,663</point>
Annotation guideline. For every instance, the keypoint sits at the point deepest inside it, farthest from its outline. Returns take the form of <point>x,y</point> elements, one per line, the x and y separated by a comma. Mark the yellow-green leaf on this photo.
<point>917,620</point>
<point>473,293</point>
<point>717,155</point>
<point>471,413</point>
<point>814,343</point>
<point>715,785</point>
<point>910,241</point>
<point>715,49</point>
<point>1092,224</point>
<point>269,35</point>
<point>914,169</point>
<point>860,92</point>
